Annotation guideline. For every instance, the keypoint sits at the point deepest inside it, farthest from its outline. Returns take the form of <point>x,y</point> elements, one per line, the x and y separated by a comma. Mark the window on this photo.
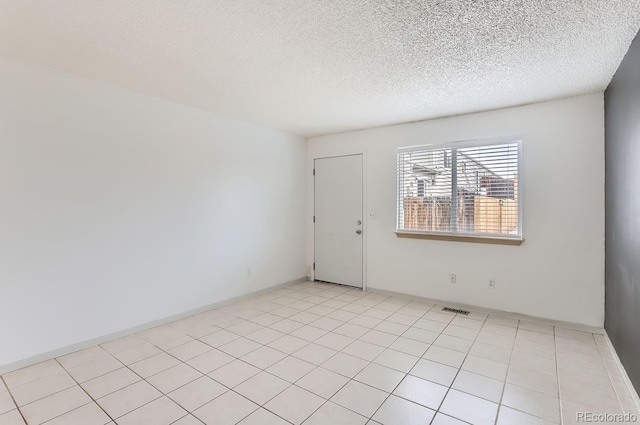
<point>469,189</point>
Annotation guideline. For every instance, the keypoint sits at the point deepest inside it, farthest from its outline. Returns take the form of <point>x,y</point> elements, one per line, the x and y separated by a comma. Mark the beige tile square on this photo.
<point>266,319</point>
<point>360,398</point>
<point>532,402</point>
<point>322,382</point>
<point>291,369</point>
<point>469,408</point>
<point>6,403</point>
<point>153,365</point>
<point>288,344</point>
<point>175,377</point>
<point>189,350</point>
<point>316,354</point>
<point>331,413</point>
<point>490,352</point>
<point>244,328</point>
<point>363,350</point>
<point>462,332</point>
<point>421,391</point>
<point>110,382</point>
<point>262,387</point>
<point>41,388</point>
<point>228,409</point>
<point>434,372</point>
<point>391,328</point>
<point>486,367</point>
<point>445,356</point>
<point>410,346</point>
<point>453,343</point>
<point>265,335</point>
<point>54,405</point>
<point>534,380</point>
<point>122,343</point>
<point>240,347</point>
<point>351,330</point>
<point>162,411</point>
<point>421,335</point>
<point>380,338</point>
<point>210,361</point>
<point>263,417</point>
<point>396,410</point>
<point>380,377</point>
<point>508,416</point>
<point>442,419</point>
<point>294,404</point>
<point>366,321</point>
<point>137,353</point>
<point>197,393</point>
<point>219,338</point>
<point>94,368</point>
<point>327,323</point>
<point>264,357</point>
<point>82,356</point>
<point>31,373</point>
<point>12,417</point>
<point>188,420</point>
<point>430,325</point>
<point>129,398</point>
<point>334,341</point>
<point>345,365</point>
<point>234,373</point>
<point>309,333</point>
<point>396,360</point>
<point>479,386</point>
<point>89,414</point>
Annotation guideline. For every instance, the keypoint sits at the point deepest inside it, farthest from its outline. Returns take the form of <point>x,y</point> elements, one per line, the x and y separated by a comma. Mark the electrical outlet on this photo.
<point>492,284</point>
<point>372,215</point>
<point>452,278</point>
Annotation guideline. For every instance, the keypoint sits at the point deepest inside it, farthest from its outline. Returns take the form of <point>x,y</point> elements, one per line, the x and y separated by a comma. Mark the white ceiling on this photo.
<point>324,66</point>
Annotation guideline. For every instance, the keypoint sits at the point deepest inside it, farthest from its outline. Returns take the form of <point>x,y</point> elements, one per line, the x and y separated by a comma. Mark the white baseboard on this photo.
<point>625,376</point>
<point>570,325</point>
<point>10,367</point>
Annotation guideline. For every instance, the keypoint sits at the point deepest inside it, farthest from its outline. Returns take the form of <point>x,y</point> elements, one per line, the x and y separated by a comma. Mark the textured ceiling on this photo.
<point>323,66</point>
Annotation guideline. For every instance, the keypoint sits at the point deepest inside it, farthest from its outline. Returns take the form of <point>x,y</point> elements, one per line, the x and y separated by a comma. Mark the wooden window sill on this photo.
<point>461,238</point>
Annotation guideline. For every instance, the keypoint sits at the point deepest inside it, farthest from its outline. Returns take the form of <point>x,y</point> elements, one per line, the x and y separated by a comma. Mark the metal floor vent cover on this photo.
<point>455,310</point>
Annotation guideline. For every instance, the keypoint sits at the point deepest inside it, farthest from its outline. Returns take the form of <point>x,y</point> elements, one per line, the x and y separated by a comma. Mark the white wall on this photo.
<point>117,209</point>
<point>557,273</point>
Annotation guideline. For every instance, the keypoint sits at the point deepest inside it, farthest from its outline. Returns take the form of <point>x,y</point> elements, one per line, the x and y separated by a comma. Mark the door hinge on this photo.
<point>314,218</point>
<point>314,171</point>
<point>314,266</point>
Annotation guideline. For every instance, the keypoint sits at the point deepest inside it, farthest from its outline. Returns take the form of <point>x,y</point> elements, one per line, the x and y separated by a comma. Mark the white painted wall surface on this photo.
<point>557,273</point>
<point>117,209</point>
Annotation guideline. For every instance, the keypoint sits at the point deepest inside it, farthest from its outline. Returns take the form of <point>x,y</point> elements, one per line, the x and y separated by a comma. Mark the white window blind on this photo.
<point>470,188</point>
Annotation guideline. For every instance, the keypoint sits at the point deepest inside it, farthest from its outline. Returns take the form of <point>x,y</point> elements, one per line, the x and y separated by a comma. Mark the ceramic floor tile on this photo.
<point>410,346</point>
<point>41,388</point>
<point>485,367</point>
<point>309,333</point>
<point>129,398</point>
<point>442,419</point>
<point>173,378</point>
<point>162,411</point>
<point>228,409</point>
<point>31,373</point>
<point>469,408</point>
<point>334,341</point>
<point>291,369</point>
<point>479,386</point>
<point>189,350</point>
<point>380,338</point>
<point>156,364</point>
<point>421,391</point>
<point>137,353</point>
<point>89,414</point>
<point>360,398</point>
<point>288,344</point>
<point>240,347</point>
<point>345,365</point>
<point>316,354</point>
<point>396,410</point>
<point>532,402</point>
<point>434,372</point>
<point>197,393</point>
<point>54,405</point>
<point>12,417</point>
<point>380,377</point>
<point>110,382</point>
<point>262,387</point>
<point>322,382</point>
<point>83,356</point>
<point>363,350</point>
<point>6,403</point>
<point>210,361</point>
<point>445,356</point>
<point>331,413</point>
<point>294,404</point>
<point>234,373</point>
<point>396,360</point>
<point>508,416</point>
<point>263,417</point>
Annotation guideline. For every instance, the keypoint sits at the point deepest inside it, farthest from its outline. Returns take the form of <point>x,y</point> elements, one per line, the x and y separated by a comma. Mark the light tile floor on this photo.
<point>317,353</point>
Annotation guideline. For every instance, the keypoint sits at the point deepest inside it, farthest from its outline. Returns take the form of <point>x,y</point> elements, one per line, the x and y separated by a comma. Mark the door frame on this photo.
<point>365,214</point>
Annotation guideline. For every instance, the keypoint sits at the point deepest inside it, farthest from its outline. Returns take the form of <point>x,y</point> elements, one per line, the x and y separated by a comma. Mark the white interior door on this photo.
<point>338,220</point>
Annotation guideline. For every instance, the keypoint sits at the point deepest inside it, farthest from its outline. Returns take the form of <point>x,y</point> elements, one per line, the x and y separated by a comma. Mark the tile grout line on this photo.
<point>4,382</point>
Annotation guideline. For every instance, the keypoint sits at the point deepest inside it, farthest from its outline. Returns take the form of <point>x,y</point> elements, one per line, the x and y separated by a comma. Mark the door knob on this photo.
<point>358,231</point>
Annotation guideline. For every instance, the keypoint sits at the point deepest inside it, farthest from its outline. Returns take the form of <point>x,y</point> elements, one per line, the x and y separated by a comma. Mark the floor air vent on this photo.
<point>455,310</point>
